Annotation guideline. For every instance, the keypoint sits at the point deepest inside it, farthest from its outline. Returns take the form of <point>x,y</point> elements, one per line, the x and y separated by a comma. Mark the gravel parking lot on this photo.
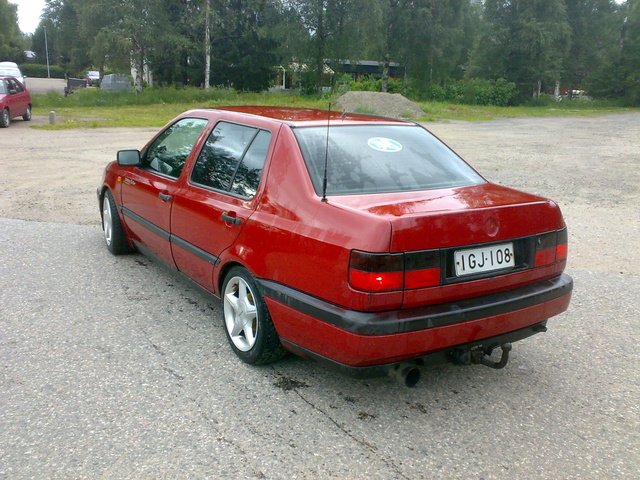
<point>115,368</point>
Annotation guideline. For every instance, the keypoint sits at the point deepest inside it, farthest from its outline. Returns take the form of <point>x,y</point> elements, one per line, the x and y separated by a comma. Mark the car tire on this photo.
<point>114,234</point>
<point>5,118</point>
<point>27,116</point>
<point>248,325</point>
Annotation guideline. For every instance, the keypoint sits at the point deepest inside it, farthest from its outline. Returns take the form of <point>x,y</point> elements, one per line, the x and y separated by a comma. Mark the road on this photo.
<point>42,86</point>
<point>114,367</point>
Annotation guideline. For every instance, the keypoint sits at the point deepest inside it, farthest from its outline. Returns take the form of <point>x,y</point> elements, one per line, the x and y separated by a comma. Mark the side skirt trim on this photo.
<point>189,247</point>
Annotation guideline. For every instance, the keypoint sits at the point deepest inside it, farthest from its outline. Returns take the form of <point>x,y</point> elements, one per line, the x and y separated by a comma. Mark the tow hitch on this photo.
<point>478,355</point>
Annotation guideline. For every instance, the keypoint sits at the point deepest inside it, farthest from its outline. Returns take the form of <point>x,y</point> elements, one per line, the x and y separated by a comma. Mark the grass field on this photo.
<point>91,108</point>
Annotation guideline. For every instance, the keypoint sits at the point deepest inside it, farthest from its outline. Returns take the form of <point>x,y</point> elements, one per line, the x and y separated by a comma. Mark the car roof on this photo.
<point>308,116</point>
<point>6,77</point>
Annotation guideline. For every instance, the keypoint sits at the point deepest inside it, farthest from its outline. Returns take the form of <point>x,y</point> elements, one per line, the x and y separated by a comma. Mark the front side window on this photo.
<point>381,159</point>
<point>169,152</point>
<point>14,86</point>
<point>232,159</point>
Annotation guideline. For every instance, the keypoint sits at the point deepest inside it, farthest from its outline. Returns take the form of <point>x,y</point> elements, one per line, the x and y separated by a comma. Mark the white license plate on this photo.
<point>484,259</point>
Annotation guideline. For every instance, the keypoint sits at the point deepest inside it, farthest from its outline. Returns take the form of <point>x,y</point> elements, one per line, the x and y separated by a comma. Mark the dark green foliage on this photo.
<point>445,46</point>
<point>595,35</point>
<point>244,59</point>
<point>471,91</point>
<point>165,36</point>
<point>38,70</point>
<point>371,84</point>
<point>619,78</point>
<point>524,42</point>
<point>11,44</point>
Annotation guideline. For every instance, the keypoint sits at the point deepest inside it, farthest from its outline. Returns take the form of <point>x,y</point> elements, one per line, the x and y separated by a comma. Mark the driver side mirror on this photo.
<point>129,158</point>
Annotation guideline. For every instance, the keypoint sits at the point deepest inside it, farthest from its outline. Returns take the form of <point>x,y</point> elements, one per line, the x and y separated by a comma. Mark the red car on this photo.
<point>359,242</point>
<point>15,101</point>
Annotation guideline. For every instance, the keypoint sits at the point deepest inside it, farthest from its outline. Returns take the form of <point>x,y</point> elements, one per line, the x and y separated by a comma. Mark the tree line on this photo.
<point>532,45</point>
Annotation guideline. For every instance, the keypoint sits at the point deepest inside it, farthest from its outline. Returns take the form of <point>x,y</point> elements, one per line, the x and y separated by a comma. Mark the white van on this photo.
<point>11,69</point>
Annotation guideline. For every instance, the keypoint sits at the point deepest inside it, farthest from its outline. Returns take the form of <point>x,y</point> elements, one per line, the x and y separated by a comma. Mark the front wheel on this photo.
<point>5,118</point>
<point>114,235</point>
<point>248,325</point>
<point>27,115</point>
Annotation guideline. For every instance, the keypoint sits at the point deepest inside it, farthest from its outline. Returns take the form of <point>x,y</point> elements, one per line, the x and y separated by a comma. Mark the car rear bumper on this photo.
<point>313,327</point>
<point>442,356</point>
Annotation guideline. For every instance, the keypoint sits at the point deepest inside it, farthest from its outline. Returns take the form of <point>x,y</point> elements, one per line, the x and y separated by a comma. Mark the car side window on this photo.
<point>169,152</point>
<point>13,86</point>
<point>232,159</point>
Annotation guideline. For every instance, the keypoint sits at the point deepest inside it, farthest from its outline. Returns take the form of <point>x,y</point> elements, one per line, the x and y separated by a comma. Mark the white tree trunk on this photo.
<point>207,48</point>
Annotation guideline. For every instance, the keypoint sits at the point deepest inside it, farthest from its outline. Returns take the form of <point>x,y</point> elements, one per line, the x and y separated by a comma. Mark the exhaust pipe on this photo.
<point>407,373</point>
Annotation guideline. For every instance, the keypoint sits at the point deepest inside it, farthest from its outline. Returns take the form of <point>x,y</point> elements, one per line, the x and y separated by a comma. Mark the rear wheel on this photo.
<point>5,118</point>
<point>248,325</point>
<point>114,235</point>
<point>27,116</point>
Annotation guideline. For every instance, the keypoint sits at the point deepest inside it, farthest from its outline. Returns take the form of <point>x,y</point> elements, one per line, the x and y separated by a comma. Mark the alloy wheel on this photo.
<point>240,314</point>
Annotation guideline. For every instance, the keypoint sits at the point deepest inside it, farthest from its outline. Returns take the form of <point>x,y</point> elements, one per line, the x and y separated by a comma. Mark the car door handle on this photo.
<point>165,197</point>
<point>230,219</point>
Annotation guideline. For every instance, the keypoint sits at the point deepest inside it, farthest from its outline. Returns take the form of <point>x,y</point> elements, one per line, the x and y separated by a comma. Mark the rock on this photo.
<point>378,103</point>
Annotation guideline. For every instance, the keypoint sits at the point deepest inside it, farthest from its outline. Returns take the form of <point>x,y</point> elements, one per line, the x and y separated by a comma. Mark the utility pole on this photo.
<point>46,49</point>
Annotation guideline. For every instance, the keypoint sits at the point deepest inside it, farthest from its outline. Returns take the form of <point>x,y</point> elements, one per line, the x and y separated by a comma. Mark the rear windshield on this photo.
<point>381,159</point>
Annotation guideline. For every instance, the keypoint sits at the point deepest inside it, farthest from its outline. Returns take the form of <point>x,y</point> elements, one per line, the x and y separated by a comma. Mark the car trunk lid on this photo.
<point>459,216</point>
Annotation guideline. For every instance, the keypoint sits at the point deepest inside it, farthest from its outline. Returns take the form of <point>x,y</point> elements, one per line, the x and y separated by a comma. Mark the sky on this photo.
<point>29,12</point>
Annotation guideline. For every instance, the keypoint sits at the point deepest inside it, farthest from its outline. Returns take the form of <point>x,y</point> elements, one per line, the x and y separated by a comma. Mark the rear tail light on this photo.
<point>551,247</point>
<point>422,269</point>
<point>386,272</point>
<point>562,246</point>
<point>376,272</point>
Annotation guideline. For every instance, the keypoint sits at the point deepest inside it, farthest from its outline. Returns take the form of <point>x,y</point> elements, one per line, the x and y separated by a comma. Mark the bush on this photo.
<point>40,71</point>
<point>366,84</point>
<point>471,91</point>
<point>370,84</point>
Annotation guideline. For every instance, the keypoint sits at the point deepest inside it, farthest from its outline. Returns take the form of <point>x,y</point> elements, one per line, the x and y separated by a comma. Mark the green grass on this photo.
<point>92,108</point>
<point>566,108</point>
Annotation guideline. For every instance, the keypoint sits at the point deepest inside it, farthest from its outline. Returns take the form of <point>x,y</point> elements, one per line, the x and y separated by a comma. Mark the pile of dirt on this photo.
<point>378,103</point>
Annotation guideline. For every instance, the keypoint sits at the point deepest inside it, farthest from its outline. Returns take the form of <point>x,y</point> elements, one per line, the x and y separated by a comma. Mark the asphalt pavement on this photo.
<point>117,368</point>
<point>42,86</point>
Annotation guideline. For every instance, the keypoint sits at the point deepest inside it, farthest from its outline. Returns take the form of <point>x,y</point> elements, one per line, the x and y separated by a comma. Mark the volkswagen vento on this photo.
<point>360,242</point>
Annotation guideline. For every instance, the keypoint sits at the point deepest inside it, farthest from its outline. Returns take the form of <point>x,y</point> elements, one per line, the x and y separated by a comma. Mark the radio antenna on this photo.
<point>326,158</point>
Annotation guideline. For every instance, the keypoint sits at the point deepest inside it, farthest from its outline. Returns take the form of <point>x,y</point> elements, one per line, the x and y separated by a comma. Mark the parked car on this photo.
<point>93,78</point>
<point>11,69</point>
<point>15,101</point>
<point>359,242</point>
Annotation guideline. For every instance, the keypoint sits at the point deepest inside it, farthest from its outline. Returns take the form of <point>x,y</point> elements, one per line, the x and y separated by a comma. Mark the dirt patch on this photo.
<point>378,103</point>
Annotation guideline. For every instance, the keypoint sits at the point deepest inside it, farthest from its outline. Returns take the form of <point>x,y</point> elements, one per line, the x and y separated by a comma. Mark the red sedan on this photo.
<point>15,101</point>
<point>360,242</point>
